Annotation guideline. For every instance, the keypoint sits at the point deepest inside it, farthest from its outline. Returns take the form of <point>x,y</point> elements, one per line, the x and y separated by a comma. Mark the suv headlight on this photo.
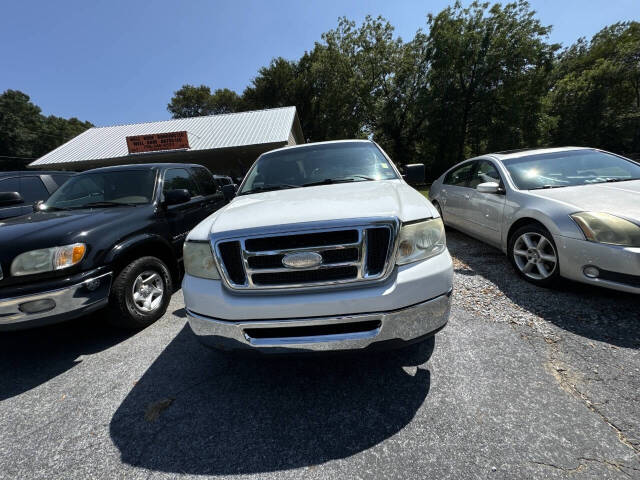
<point>607,228</point>
<point>198,260</point>
<point>48,259</point>
<point>419,241</point>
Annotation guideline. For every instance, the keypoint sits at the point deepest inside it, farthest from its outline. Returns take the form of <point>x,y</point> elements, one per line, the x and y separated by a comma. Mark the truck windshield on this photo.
<point>104,189</point>
<point>317,165</point>
<point>570,168</point>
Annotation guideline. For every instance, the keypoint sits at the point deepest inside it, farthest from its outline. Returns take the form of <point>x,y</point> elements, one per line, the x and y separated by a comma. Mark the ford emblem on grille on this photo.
<point>302,260</point>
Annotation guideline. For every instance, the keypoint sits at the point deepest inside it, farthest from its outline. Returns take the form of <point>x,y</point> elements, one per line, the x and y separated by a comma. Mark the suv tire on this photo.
<point>140,294</point>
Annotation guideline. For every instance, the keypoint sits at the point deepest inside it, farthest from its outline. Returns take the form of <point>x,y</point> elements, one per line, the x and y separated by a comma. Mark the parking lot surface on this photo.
<point>523,383</point>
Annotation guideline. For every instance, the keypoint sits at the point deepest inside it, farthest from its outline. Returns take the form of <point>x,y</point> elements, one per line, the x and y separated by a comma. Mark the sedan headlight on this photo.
<point>47,259</point>
<point>419,241</point>
<point>198,260</point>
<point>607,228</point>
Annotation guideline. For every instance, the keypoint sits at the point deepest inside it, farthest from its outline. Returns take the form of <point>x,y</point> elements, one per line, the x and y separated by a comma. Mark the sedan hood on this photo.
<point>621,198</point>
<point>387,198</point>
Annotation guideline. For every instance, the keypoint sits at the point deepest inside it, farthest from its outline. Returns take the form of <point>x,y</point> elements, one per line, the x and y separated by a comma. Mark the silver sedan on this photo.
<point>561,212</point>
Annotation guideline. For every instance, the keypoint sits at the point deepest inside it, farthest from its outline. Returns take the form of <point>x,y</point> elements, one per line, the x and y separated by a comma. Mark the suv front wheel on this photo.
<point>140,293</point>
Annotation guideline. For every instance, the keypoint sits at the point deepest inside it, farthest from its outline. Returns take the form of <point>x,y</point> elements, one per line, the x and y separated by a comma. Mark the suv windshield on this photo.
<point>104,189</point>
<point>570,168</point>
<point>318,165</point>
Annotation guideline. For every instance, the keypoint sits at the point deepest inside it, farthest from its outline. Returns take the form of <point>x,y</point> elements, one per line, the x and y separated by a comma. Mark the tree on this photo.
<point>596,97</point>
<point>489,72</point>
<point>192,101</point>
<point>25,132</point>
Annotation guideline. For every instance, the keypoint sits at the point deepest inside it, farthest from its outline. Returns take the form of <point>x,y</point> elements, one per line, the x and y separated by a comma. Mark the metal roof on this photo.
<point>205,133</point>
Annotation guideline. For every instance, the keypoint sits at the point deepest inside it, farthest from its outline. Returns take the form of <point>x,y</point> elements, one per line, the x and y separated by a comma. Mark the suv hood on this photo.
<point>385,198</point>
<point>50,229</point>
<point>621,198</point>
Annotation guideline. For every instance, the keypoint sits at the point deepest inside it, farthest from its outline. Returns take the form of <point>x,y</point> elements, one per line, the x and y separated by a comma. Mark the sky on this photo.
<point>114,62</point>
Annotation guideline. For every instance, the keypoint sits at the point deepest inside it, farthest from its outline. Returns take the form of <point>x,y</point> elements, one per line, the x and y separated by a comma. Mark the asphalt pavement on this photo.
<point>522,383</point>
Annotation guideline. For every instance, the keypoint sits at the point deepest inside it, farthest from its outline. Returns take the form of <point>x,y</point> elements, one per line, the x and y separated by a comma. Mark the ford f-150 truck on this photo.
<point>324,247</point>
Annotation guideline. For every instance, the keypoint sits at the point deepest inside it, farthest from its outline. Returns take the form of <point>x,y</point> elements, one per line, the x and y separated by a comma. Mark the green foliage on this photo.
<point>25,132</point>
<point>192,101</point>
<point>596,97</point>
<point>479,78</point>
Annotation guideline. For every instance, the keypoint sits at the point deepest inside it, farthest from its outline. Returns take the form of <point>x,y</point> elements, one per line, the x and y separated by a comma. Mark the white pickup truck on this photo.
<point>324,247</point>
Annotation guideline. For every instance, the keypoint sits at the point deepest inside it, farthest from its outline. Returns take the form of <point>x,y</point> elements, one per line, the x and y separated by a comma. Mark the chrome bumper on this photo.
<point>55,305</point>
<point>399,325</point>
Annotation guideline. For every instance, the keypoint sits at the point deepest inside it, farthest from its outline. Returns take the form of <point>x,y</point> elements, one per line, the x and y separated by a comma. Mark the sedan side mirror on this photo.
<point>176,196</point>
<point>10,198</point>
<point>228,191</point>
<point>414,173</point>
<point>489,187</point>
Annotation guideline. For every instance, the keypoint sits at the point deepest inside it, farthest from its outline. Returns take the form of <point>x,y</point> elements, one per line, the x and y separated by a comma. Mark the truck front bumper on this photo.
<point>52,305</point>
<point>333,333</point>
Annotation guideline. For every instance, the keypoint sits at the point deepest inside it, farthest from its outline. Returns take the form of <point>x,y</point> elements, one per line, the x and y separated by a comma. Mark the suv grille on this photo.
<point>348,254</point>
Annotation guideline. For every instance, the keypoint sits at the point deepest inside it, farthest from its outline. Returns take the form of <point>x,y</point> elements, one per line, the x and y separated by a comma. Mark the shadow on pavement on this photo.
<point>596,313</point>
<point>29,358</point>
<point>199,411</point>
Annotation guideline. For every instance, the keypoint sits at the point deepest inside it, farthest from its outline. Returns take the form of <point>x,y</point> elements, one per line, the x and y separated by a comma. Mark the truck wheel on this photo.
<point>140,293</point>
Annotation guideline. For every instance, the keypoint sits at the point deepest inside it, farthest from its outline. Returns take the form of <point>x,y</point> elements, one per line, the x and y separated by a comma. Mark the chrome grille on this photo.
<point>350,253</point>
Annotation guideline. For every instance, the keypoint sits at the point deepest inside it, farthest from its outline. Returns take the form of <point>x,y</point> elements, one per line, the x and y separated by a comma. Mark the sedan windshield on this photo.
<point>103,190</point>
<point>321,164</point>
<point>570,168</point>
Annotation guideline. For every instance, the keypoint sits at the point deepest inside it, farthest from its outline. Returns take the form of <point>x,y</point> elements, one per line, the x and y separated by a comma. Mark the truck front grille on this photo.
<point>349,254</point>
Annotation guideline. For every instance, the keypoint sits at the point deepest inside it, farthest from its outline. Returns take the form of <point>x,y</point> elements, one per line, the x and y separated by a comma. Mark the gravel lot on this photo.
<point>523,383</point>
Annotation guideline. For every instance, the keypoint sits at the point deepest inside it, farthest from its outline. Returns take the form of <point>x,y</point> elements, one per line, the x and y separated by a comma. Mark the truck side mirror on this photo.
<point>228,191</point>
<point>176,196</point>
<point>414,173</point>
<point>10,198</point>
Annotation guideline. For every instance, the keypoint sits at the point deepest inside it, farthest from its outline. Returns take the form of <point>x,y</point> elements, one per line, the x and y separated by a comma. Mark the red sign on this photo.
<point>154,142</point>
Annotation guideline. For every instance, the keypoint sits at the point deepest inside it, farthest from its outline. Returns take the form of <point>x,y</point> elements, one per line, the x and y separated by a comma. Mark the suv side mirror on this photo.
<point>176,196</point>
<point>489,187</point>
<point>228,191</point>
<point>10,198</point>
<point>414,173</point>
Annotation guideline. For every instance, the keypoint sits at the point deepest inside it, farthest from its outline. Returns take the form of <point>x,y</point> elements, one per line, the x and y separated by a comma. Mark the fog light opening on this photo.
<point>37,306</point>
<point>92,284</point>
<point>591,272</point>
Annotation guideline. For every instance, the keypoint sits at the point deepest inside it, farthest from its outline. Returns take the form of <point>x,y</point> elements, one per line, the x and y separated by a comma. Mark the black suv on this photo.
<point>20,191</point>
<point>108,237</point>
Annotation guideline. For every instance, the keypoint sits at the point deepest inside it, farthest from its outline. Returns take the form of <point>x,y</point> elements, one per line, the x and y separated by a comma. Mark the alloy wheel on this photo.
<point>535,256</point>
<point>148,290</point>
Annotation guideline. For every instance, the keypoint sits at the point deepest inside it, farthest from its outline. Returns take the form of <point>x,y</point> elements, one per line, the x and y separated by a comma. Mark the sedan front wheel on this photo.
<point>533,253</point>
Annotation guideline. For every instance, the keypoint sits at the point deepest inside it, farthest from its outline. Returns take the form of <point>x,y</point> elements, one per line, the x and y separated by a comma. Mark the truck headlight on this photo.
<point>198,260</point>
<point>48,259</point>
<point>606,228</point>
<point>419,241</point>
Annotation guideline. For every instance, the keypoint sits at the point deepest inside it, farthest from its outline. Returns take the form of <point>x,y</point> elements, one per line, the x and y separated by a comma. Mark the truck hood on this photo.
<point>621,198</point>
<point>385,198</point>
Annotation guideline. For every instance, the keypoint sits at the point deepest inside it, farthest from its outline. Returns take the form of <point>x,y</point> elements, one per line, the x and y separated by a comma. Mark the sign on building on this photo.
<point>154,142</point>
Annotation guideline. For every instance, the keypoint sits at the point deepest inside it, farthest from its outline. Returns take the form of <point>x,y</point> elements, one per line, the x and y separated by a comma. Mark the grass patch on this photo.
<point>424,191</point>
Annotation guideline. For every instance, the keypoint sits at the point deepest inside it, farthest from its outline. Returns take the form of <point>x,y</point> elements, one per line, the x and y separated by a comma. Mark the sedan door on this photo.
<point>485,210</point>
<point>455,194</point>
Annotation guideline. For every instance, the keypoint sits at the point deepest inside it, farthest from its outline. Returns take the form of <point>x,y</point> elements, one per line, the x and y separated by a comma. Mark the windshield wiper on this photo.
<point>329,181</point>
<point>611,180</point>
<point>268,188</point>
<point>44,208</point>
<point>543,187</point>
<point>104,204</point>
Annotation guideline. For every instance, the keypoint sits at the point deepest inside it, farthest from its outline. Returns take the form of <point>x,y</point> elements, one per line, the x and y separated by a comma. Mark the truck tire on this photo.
<point>140,294</point>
